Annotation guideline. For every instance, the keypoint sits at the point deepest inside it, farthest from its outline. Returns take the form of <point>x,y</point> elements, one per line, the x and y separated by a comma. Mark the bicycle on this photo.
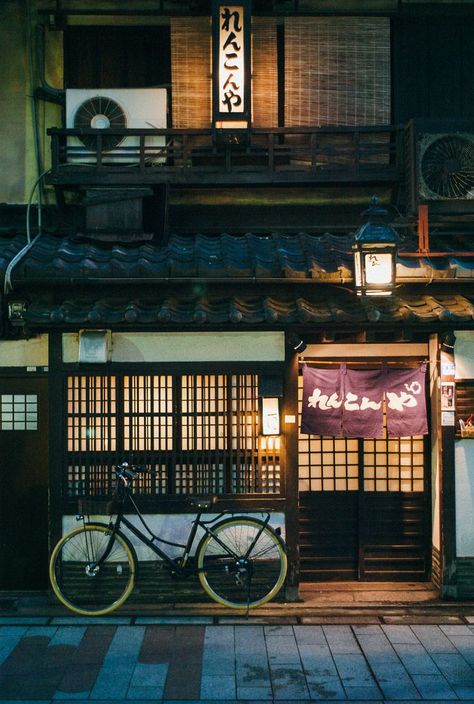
<point>240,561</point>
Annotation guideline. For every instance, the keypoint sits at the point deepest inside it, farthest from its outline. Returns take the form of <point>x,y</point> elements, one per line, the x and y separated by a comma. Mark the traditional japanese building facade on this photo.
<point>176,249</point>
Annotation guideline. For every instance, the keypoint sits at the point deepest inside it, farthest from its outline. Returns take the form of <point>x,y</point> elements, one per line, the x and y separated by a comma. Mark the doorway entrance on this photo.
<point>23,483</point>
<point>364,508</point>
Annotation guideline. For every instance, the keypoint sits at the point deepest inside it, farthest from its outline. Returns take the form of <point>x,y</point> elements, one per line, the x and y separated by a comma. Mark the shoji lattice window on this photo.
<point>326,463</point>
<point>337,71</point>
<point>394,464</point>
<point>203,412</point>
<point>147,413</point>
<point>198,432</point>
<point>18,412</point>
<point>91,413</point>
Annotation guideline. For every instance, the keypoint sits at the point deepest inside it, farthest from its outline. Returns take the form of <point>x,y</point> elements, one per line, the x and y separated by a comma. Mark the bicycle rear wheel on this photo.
<point>85,581</point>
<point>237,579</point>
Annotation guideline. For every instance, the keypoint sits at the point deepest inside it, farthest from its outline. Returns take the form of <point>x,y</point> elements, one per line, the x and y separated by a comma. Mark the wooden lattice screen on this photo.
<point>191,72</point>
<point>337,71</point>
<point>198,433</point>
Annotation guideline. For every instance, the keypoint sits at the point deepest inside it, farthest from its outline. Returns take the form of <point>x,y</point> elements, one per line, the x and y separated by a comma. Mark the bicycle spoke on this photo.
<point>254,575</point>
<point>87,574</point>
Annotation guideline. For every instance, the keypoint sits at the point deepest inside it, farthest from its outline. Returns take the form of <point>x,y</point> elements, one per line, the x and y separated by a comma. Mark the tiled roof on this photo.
<point>342,308</point>
<point>325,258</point>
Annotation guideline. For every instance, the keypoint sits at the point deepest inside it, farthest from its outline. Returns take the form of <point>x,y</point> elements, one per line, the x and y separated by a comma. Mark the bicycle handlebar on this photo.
<point>129,471</point>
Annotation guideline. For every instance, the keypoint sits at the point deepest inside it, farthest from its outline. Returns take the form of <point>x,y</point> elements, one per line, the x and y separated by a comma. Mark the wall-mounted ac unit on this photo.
<point>127,108</point>
<point>446,166</point>
<point>440,161</point>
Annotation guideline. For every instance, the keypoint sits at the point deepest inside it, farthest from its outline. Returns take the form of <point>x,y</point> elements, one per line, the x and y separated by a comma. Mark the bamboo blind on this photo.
<point>191,72</point>
<point>264,73</point>
<point>337,71</point>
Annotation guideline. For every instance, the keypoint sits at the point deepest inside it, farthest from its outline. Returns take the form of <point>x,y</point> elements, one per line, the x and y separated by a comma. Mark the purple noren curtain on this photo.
<point>349,402</point>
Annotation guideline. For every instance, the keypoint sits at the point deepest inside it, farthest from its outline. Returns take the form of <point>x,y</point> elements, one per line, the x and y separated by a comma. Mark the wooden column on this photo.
<point>56,424</point>
<point>448,499</point>
<point>290,427</point>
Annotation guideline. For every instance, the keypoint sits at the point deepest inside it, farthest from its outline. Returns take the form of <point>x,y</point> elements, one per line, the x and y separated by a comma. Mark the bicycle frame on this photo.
<point>179,566</point>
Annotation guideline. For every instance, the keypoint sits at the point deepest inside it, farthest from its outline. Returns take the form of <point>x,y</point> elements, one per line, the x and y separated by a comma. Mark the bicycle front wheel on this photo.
<point>83,579</point>
<point>242,564</point>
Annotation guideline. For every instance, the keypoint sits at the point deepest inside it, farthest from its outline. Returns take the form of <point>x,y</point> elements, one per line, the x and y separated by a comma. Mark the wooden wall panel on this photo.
<point>432,66</point>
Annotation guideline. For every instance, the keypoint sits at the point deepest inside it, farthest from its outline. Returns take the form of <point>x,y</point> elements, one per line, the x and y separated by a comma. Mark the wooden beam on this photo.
<point>366,350</point>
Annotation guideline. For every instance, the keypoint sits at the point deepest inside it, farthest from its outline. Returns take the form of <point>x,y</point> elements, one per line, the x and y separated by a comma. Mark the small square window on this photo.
<point>18,412</point>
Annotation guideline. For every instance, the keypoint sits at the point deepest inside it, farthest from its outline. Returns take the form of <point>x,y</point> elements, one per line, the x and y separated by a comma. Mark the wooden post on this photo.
<point>423,236</point>
<point>56,412</point>
<point>448,498</point>
<point>290,425</point>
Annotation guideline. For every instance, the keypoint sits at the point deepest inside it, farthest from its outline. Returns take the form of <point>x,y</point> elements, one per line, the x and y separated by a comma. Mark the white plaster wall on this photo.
<point>24,353</point>
<point>172,527</point>
<point>464,462</point>
<point>15,104</point>
<point>464,454</point>
<point>464,354</point>
<point>188,347</point>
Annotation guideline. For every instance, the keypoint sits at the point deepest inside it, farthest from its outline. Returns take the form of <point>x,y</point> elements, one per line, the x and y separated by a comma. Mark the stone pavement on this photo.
<point>63,659</point>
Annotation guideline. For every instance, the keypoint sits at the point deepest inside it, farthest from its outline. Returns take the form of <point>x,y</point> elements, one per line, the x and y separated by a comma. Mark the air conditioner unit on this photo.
<point>446,166</point>
<point>132,108</point>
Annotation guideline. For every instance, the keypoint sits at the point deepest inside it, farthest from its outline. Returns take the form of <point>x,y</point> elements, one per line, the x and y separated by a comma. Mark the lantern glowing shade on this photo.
<point>270,416</point>
<point>375,252</point>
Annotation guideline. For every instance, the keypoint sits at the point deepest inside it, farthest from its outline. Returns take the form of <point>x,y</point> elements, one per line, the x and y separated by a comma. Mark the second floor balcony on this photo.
<point>206,156</point>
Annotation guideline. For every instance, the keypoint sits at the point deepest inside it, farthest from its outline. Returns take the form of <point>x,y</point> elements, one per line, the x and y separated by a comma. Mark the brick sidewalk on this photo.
<point>60,659</point>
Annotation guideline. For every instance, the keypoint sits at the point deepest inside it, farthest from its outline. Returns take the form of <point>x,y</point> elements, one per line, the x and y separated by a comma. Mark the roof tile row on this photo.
<point>290,257</point>
<point>343,308</point>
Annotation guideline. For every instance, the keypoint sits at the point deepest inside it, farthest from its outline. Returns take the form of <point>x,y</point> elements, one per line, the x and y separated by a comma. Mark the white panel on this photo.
<point>174,528</point>
<point>188,347</point>
<point>24,353</point>
<point>464,463</point>
<point>464,354</point>
<point>144,108</point>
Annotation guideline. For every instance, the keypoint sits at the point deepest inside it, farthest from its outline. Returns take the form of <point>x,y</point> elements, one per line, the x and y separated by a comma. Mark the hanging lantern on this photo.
<point>375,253</point>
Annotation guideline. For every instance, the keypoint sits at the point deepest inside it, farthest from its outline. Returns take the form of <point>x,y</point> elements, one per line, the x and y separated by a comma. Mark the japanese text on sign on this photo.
<point>231,59</point>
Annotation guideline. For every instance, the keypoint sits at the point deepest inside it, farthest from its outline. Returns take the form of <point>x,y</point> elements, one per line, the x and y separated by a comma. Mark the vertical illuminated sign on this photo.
<point>231,64</point>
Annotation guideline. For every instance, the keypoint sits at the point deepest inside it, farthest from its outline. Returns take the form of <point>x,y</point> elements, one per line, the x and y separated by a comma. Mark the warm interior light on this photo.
<point>270,416</point>
<point>378,268</point>
<point>358,270</point>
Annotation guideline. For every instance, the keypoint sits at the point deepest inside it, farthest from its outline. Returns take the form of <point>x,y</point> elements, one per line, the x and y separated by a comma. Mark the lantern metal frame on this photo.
<point>377,240</point>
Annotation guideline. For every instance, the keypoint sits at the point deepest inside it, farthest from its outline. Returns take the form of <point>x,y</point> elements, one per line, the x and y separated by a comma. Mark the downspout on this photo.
<point>8,286</point>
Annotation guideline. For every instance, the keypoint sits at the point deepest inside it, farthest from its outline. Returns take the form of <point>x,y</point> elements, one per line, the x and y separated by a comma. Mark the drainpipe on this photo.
<point>8,286</point>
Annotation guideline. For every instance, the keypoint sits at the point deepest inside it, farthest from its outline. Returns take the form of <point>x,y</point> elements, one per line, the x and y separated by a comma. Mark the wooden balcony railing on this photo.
<point>203,156</point>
